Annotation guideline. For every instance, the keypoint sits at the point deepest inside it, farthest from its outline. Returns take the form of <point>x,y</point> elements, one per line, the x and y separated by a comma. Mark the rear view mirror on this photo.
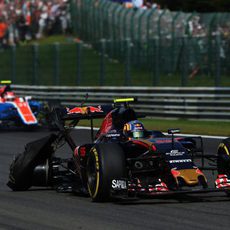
<point>173,131</point>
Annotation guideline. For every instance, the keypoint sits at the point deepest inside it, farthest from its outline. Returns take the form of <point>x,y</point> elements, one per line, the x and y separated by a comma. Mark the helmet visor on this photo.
<point>138,134</point>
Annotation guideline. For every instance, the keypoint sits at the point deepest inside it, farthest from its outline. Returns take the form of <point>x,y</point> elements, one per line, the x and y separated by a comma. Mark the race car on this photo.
<point>123,161</point>
<point>17,111</point>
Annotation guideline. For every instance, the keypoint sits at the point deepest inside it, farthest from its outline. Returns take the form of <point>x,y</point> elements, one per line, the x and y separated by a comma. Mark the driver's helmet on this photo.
<point>134,129</point>
<point>9,96</point>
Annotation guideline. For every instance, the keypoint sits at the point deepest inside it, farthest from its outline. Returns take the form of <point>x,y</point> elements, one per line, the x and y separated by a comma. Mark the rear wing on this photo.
<point>86,112</point>
<point>91,112</point>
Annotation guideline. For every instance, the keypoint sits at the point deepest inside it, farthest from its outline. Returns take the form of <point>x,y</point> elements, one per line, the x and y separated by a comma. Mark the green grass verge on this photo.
<point>62,66</point>
<point>216,128</point>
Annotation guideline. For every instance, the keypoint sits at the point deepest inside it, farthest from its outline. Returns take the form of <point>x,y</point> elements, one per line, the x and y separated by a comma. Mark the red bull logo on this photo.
<point>95,109</point>
<point>85,110</point>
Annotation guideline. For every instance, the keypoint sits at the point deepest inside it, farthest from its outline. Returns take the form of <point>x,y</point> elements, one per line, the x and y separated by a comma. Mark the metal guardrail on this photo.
<point>170,102</point>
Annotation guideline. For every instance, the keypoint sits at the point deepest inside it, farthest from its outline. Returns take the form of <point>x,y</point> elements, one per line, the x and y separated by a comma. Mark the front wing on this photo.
<point>171,194</point>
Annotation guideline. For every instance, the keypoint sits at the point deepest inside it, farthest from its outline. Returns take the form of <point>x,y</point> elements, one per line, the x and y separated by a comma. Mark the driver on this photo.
<point>9,96</point>
<point>134,129</point>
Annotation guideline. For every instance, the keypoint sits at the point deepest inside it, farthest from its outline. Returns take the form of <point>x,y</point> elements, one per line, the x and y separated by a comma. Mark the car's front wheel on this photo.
<point>105,163</point>
<point>223,158</point>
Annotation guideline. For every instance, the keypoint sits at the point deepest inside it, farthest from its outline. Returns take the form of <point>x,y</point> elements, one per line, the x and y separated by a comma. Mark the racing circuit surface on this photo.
<point>46,209</point>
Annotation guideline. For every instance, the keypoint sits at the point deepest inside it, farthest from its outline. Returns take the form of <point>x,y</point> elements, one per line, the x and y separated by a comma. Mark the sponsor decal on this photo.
<point>138,127</point>
<point>163,141</point>
<point>180,161</point>
<point>93,109</point>
<point>113,135</point>
<point>24,112</point>
<point>175,152</point>
<point>84,110</point>
<point>96,158</point>
<point>119,184</point>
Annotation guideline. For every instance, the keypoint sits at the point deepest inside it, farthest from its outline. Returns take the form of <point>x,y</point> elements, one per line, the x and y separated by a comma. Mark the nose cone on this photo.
<point>190,177</point>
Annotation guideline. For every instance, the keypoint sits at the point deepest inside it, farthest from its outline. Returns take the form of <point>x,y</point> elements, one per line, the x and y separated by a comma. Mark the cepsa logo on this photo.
<point>85,110</point>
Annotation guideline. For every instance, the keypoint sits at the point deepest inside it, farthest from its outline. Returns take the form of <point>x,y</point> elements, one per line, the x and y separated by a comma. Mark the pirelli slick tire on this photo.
<point>105,163</point>
<point>223,157</point>
<point>21,176</point>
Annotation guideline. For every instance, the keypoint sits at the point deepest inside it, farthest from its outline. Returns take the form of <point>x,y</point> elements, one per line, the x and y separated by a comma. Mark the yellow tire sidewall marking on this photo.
<point>222,145</point>
<point>226,150</point>
<point>94,194</point>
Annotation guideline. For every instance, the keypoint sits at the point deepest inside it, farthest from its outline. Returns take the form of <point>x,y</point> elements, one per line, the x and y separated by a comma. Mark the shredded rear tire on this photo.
<point>21,169</point>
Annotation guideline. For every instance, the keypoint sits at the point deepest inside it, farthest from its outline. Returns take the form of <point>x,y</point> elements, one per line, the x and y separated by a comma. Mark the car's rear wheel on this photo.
<point>105,163</point>
<point>33,160</point>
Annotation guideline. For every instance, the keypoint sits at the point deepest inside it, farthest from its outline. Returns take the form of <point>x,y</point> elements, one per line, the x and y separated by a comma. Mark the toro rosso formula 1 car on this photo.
<point>124,160</point>
<point>17,111</point>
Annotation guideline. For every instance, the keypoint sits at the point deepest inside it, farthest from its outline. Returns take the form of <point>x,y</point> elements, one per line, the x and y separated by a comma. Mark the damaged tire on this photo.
<point>36,153</point>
